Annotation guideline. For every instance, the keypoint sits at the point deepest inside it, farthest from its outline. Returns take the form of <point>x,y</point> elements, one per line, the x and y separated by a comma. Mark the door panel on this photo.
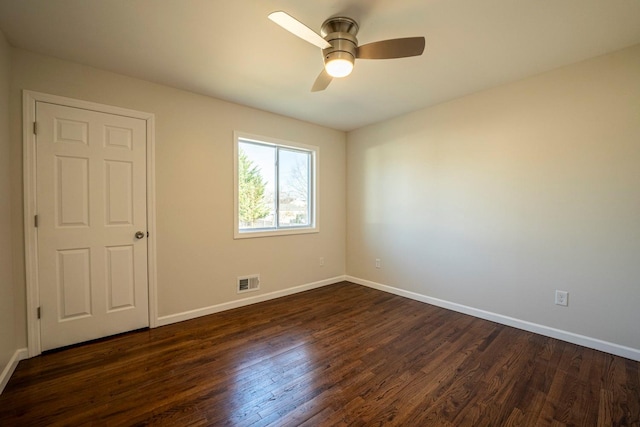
<point>120,277</point>
<point>91,200</point>
<point>74,283</point>
<point>119,193</point>
<point>71,186</point>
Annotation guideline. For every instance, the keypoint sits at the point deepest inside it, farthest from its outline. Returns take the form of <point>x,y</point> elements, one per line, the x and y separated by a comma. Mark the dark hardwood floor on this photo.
<point>338,355</point>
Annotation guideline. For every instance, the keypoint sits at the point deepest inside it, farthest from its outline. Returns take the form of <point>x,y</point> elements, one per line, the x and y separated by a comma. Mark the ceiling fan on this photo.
<point>340,46</point>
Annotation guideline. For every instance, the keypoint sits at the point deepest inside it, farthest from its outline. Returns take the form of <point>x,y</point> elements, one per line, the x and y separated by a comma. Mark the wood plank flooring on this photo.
<point>338,355</point>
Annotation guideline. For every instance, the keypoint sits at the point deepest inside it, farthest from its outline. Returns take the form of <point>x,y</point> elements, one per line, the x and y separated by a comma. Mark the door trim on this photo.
<point>29,99</point>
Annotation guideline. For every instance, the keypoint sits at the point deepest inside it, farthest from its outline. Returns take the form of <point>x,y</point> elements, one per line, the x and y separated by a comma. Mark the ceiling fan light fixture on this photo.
<point>340,48</point>
<point>339,64</point>
<point>339,68</point>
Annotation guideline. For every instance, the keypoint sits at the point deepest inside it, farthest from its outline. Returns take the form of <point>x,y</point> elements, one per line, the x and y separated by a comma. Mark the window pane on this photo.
<point>276,187</point>
<point>294,171</point>
<point>256,185</point>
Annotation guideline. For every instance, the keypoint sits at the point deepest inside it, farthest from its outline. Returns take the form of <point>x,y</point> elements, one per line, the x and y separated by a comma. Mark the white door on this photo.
<point>91,203</point>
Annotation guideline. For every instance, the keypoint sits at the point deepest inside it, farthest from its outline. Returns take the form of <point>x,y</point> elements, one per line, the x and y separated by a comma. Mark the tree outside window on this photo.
<point>251,192</point>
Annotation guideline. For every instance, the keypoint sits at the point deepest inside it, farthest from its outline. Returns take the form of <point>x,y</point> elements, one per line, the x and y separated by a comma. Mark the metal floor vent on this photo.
<point>248,283</point>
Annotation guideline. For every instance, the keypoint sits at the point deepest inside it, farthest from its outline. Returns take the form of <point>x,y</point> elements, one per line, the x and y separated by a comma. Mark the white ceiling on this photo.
<point>230,50</point>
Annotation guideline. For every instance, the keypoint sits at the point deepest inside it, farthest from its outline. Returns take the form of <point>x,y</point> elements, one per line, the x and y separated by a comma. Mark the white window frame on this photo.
<point>314,198</point>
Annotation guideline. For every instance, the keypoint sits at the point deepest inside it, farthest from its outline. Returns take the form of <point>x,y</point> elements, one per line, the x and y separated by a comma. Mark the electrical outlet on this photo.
<point>321,261</point>
<point>562,298</point>
<point>377,262</point>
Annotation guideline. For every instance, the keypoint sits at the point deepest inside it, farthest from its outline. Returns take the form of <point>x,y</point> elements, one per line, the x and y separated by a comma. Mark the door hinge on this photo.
<point>35,221</point>
<point>39,312</point>
<point>35,128</point>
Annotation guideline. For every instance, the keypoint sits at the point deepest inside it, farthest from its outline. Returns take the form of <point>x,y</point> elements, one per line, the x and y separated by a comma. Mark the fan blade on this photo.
<point>394,48</point>
<point>322,81</point>
<point>297,28</point>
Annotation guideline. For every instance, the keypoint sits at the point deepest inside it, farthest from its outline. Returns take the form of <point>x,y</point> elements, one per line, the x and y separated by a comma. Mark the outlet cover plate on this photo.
<point>562,298</point>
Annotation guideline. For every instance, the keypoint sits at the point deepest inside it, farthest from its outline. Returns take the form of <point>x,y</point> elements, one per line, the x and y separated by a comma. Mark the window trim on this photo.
<point>315,195</point>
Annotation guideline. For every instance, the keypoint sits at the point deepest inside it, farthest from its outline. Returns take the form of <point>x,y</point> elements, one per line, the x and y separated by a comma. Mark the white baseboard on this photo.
<point>594,343</point>
<point>192,314</point>
<point>20,354</point>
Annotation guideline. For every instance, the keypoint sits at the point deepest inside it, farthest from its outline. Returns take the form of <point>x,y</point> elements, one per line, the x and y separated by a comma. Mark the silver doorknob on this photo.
<point>139,235</point>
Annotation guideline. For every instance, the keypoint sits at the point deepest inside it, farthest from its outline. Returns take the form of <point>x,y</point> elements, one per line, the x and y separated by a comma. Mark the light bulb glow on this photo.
<point>339,67</point>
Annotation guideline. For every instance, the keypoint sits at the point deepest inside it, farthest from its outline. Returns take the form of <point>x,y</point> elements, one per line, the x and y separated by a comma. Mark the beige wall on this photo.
<point>198,259</point>
<point>497,199</point>
<point>8,344</point>
<point>492,201</point>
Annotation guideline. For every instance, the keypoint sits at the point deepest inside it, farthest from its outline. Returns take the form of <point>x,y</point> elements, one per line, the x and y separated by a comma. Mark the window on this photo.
<point>275,187</point>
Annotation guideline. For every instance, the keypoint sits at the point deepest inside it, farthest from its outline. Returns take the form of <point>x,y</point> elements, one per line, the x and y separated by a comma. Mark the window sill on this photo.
<point>273,233</point>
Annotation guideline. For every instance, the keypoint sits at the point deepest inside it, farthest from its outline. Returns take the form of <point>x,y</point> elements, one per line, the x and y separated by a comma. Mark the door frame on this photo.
<point>29,100</point>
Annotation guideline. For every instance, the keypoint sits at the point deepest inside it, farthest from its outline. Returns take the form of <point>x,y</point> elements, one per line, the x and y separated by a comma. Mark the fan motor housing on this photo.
<point>342,46</point>
<point>340,32</point>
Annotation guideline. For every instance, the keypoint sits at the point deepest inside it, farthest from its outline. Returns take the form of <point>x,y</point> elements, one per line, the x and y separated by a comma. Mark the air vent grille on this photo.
<point>248,283</point>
